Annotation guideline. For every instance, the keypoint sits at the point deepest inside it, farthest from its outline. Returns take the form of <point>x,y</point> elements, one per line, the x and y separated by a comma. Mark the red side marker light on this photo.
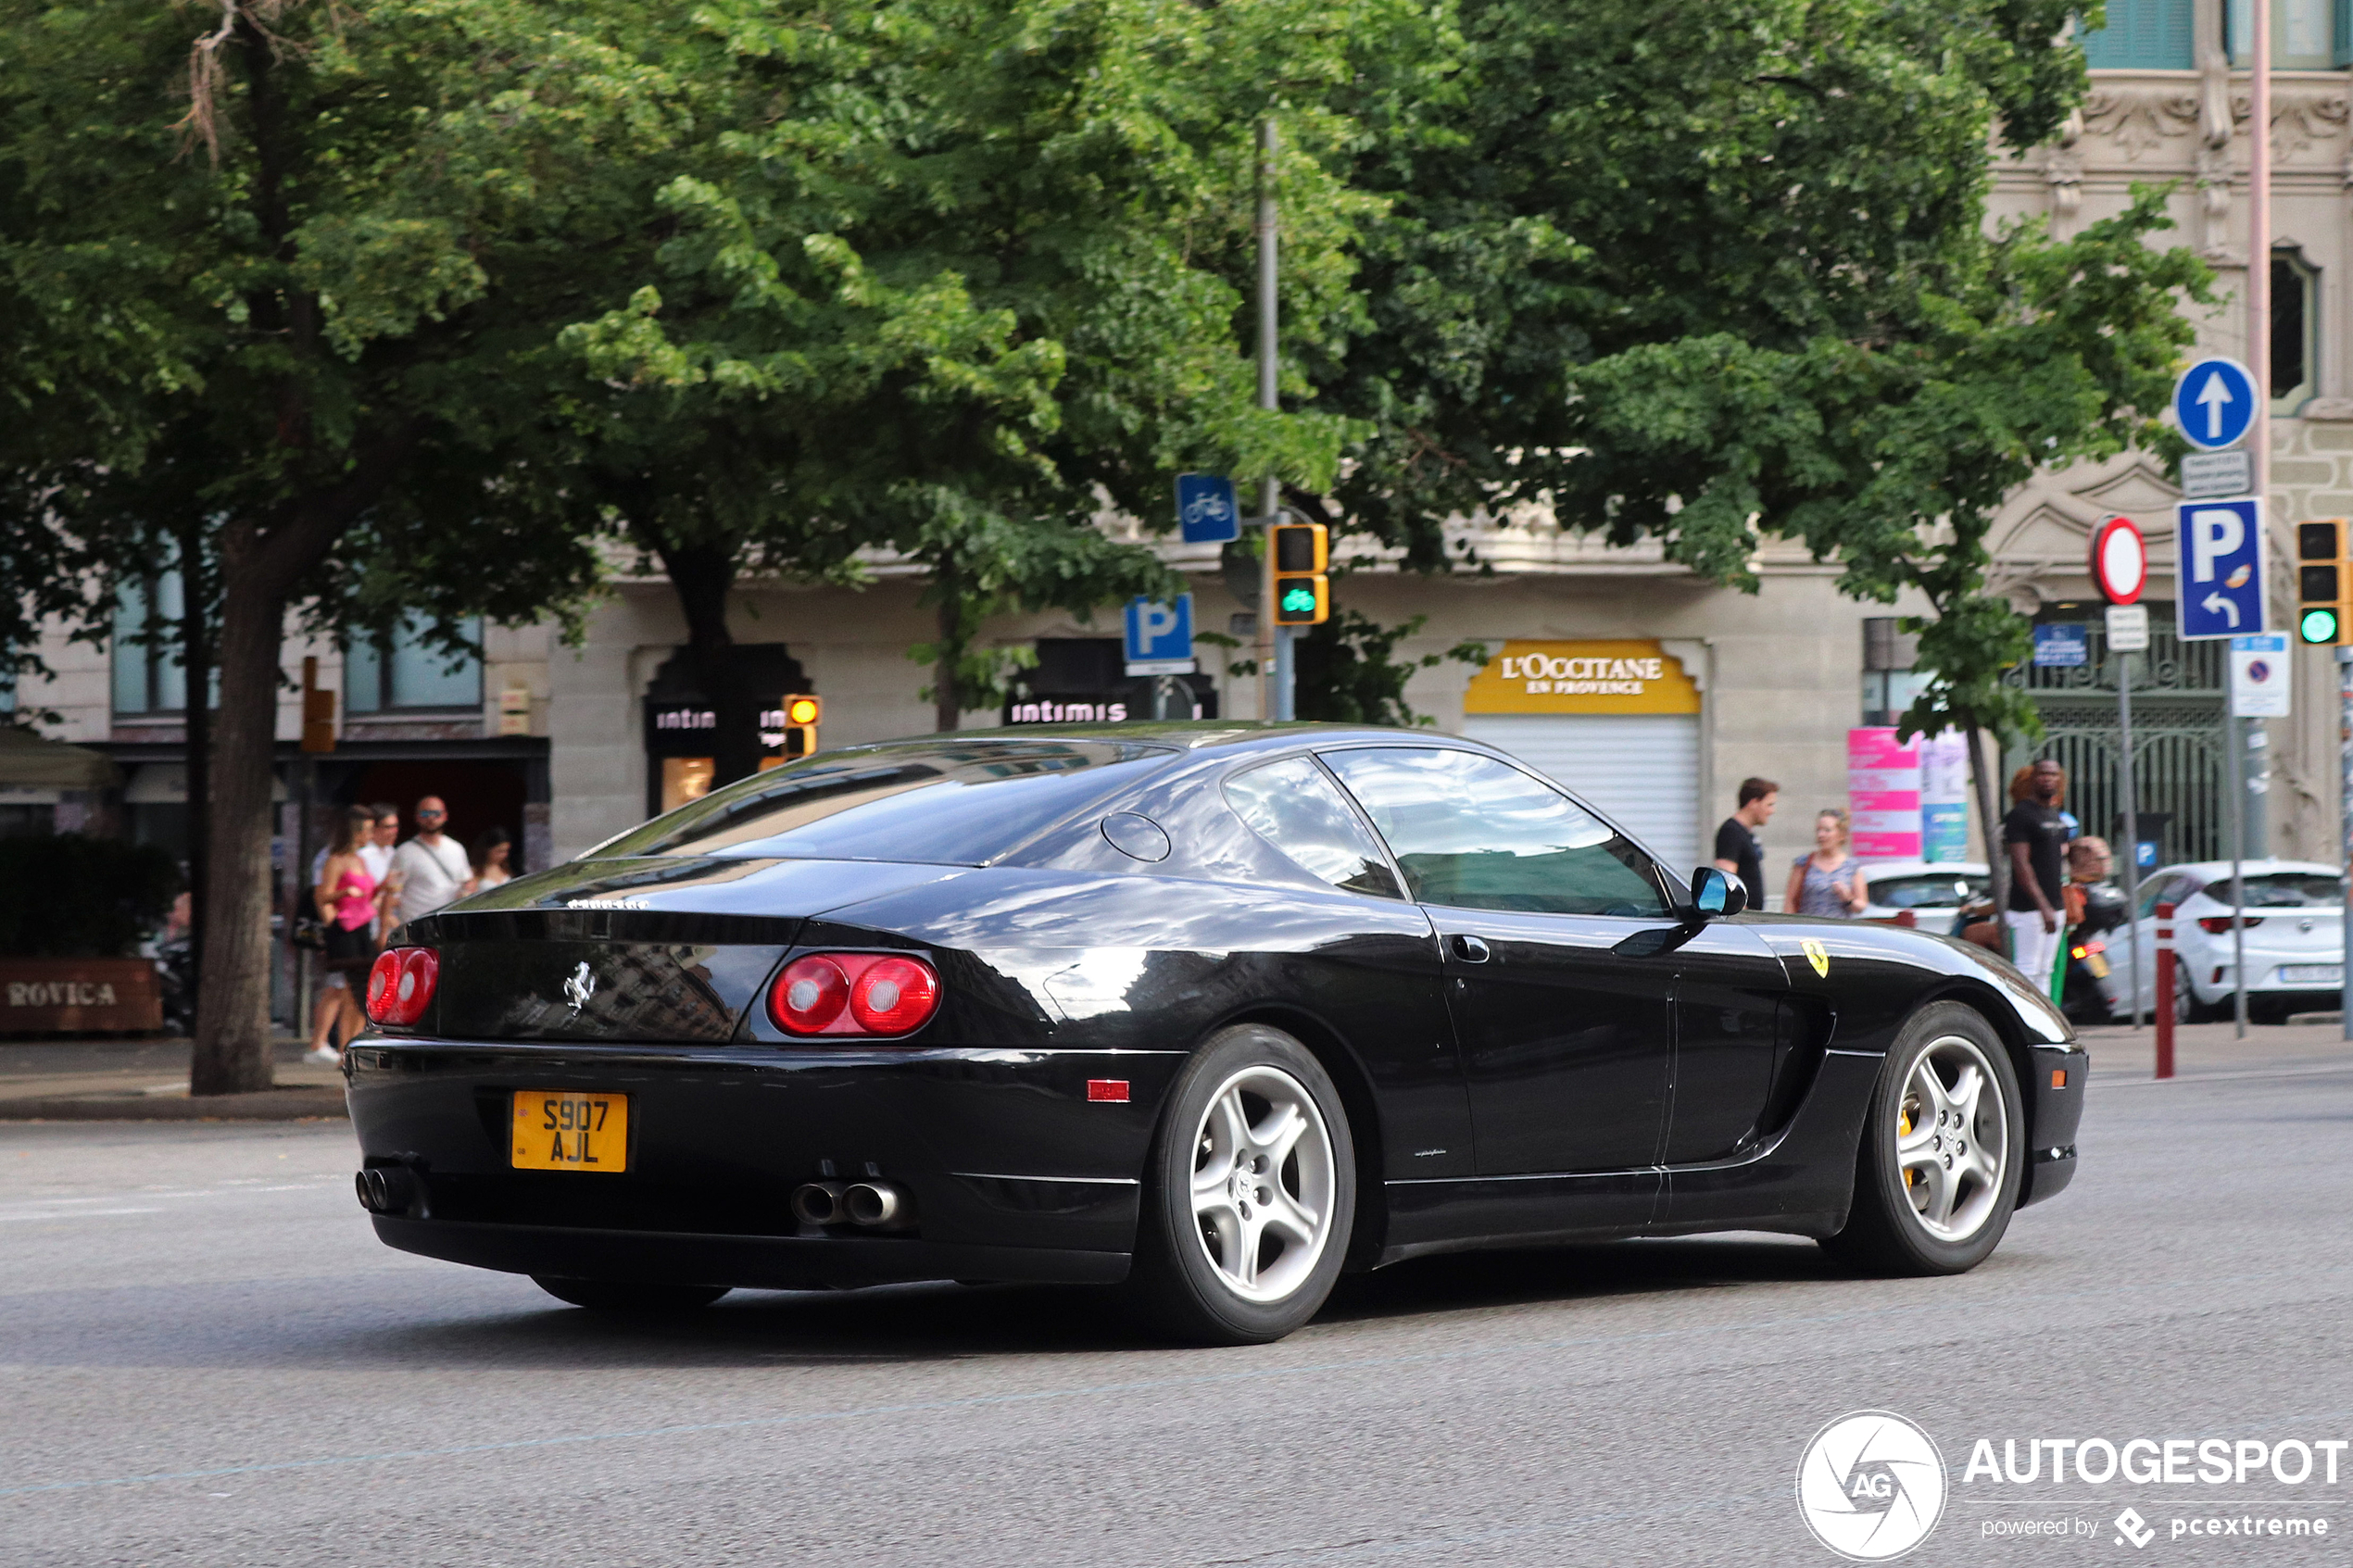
<point>1111,1089</point>
<point>2058,1077</point>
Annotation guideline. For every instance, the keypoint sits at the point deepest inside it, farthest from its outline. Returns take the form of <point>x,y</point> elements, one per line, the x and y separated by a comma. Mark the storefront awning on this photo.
<point>28,758</point>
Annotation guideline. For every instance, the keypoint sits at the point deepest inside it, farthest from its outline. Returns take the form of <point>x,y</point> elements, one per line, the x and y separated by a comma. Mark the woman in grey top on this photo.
<point>1829,880</point>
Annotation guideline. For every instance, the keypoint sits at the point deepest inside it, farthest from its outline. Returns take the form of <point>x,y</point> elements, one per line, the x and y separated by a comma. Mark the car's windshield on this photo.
<point>2282,890</point>
<point>1937,891</point>
<point>937,801</point>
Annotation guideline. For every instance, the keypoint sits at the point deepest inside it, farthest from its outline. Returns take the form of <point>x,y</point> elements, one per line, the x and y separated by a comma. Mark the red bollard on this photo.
<point>2164,999</point>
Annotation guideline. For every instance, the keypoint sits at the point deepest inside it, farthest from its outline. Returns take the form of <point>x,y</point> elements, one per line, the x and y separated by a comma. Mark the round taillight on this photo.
<point>894,995</point>
<point>808,995</point>
<point>381,980</point>
<point>420,973</point>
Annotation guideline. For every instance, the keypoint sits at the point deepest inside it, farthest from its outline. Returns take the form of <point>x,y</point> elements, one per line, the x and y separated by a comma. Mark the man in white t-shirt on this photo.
<point>432,869</point>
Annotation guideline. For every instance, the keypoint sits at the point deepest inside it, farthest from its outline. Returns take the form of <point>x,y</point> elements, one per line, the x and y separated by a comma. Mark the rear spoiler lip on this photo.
<point>691,926</point>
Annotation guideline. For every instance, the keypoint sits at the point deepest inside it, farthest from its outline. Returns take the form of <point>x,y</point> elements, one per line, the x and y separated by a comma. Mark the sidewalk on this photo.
<point>2209,1050</point>
<point>147,1081</point>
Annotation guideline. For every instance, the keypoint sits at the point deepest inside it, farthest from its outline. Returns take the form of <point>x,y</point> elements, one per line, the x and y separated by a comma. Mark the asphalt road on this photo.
<point>206,1358</point>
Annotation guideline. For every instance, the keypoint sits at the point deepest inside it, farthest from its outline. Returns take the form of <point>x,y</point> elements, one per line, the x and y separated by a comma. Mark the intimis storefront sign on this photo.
<point>1618,675</point>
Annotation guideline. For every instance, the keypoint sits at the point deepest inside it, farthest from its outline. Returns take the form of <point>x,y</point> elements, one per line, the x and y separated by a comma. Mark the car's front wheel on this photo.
<point>1249,1195</point>
<point>629,1296</point>
<point>1937,1176</point>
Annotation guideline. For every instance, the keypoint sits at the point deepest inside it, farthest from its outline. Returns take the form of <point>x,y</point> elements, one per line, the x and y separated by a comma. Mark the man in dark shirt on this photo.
<point>1737,850</point>
<point>2035,835</point>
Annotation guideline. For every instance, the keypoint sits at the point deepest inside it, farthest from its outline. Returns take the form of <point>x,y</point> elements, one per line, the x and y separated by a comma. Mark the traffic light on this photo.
<point>1303,593</point>
<point>802,714</point>
<point>2323,583</point>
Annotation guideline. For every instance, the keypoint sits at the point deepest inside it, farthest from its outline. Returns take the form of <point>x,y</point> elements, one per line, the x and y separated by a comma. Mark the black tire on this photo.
<point>1176,1287</point>
<point>629,1296</point>
<point>1885,1232</point>
<point>2187,1008</point>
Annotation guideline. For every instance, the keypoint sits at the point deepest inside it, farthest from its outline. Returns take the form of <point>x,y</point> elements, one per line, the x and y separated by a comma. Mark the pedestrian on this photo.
<point>431,870</point>
<point>2023,785</point>
<point>2034,836</point>
<point>1829,881</point>
<point>374,850</point>
<point>348,900</point>
<point>1738,850</point>
<point>492,853</point>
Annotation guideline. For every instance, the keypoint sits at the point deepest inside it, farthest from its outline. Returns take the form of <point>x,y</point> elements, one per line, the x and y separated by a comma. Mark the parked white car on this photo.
<point>2294,938</point>
<point>1934,892</point>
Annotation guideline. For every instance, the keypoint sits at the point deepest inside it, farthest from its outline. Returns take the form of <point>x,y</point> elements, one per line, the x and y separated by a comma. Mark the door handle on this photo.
<point>1471,949</point>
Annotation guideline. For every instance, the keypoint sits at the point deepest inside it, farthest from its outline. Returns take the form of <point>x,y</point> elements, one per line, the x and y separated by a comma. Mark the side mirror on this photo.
<point>1715,893</point>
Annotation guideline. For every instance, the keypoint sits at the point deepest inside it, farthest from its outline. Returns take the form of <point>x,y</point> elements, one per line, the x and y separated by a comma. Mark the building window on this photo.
<point>2304,34</point>
<point>388,675</point>
<point>149,676</point>
<point>2145,35</point>
<point>2296,336</point>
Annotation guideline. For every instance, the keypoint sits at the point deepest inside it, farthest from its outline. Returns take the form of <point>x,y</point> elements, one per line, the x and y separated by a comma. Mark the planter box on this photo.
<point>79,997</point>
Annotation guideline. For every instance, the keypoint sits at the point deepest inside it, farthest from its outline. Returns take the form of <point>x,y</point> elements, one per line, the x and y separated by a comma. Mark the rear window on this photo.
<point>1941,891</point>
<point>2282,890</point>
<point>929,801</point>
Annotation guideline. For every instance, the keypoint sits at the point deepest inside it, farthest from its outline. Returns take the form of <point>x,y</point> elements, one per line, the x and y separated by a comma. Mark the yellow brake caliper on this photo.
<point>1904,1130</point>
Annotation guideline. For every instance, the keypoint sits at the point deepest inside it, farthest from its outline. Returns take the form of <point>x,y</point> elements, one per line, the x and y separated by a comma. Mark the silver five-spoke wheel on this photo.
<point>1952,1138</point>
<point>1263,1183</point>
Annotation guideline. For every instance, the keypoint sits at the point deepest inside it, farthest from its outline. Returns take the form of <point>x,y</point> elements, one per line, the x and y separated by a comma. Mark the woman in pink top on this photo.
<point>348,900</point>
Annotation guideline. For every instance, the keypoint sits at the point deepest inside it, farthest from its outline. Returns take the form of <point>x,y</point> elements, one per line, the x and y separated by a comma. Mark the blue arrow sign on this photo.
<point>1160,632</point>
<point>2218,556</point>
<point>1205,509</point>
<point>2215,402</point>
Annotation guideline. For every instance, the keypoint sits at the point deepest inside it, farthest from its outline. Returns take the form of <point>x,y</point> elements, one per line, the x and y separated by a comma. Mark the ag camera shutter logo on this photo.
<point>1870,1485</point>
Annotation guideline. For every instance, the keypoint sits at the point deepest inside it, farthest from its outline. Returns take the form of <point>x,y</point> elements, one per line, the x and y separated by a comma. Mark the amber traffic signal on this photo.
<point>1303,593</point>
<point>2323,583</point>
<point>802,714</point>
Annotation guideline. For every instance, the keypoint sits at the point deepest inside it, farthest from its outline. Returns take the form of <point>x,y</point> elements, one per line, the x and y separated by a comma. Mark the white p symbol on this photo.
<point>1155,622</point>
<point>2214,531</point>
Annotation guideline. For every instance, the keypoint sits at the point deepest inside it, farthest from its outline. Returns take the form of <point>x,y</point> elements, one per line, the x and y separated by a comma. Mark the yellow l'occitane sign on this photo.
<point>1626,675</point>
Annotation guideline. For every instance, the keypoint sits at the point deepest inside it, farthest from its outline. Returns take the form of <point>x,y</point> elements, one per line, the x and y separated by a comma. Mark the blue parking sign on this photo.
<point>1160,635</point>
<point>2217,565</point>
<point>1206,509</point>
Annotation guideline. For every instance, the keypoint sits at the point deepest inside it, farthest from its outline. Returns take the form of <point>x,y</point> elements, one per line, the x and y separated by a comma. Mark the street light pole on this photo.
<point>1273,645</point>
<point>2259,356</point>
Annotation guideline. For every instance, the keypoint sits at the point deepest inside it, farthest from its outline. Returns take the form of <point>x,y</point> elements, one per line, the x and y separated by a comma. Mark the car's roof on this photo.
<point>1201,734</point>
<point>2213,870</point>
<point>1876,870</point>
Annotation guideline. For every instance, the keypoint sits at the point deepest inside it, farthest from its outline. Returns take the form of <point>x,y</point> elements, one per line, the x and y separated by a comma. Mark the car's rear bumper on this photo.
<point>762,1263</point>
<point>1015,1171</point>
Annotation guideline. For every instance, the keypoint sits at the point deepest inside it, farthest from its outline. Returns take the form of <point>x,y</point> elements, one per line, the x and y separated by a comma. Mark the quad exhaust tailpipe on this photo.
<point>387,1189</point>
<point>873,1205</point>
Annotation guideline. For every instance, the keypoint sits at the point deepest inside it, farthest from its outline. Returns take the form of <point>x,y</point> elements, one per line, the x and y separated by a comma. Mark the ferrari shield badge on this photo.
<point>1816,955</point>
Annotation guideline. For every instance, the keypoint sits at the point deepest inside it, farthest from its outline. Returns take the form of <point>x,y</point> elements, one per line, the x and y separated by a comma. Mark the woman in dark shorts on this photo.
<point>347,898</point>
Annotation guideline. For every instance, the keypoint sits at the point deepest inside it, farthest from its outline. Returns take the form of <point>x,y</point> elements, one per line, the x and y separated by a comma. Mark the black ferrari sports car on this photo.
<point>1215,1010</point>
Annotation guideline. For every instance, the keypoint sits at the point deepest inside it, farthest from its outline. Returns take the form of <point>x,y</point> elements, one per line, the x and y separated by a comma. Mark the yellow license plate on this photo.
<point>564,1130</point>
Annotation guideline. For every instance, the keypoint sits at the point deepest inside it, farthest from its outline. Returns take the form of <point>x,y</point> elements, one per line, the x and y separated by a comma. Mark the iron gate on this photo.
<point>2178,737</point>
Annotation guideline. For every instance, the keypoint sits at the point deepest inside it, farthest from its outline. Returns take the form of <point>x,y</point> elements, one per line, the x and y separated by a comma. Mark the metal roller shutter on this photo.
<point>1642,769</point>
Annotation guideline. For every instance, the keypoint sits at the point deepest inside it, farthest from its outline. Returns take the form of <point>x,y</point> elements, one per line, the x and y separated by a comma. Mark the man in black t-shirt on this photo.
<point>1737,849</point>
<point>2035,835</point>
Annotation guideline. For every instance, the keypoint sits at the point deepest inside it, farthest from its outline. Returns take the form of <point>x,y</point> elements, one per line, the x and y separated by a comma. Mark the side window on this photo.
<point>2159,890</point>
<point>1293,807</point>
<point>1475,833</point>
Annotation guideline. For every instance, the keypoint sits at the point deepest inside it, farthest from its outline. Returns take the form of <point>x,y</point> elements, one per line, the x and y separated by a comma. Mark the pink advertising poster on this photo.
<point>1883,792</point>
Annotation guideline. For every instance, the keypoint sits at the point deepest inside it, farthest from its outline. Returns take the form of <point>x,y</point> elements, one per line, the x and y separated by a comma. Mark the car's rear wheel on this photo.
<point>1249,1195</point>
<point>629,1296</point>
<point>1937,1178</point>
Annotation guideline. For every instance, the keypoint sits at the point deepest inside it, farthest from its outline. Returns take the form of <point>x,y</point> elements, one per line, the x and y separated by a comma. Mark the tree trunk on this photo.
<point>232,1021</point>
<point>702,576</point>
<point>947,712</point>
<point>1997,860</point>
<point>195,657</point>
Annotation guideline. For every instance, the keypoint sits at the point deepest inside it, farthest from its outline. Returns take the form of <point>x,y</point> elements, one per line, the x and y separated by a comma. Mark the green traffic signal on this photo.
<point>2318,626</point>
<point>1299,599</point>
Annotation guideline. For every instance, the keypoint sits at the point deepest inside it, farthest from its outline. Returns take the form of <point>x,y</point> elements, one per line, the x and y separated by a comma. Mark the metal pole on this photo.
<point>2344,820</point>
<point>1270,488</point>
<point>2238,882</point>
<point>306,782</point>
<point>2131,838</point>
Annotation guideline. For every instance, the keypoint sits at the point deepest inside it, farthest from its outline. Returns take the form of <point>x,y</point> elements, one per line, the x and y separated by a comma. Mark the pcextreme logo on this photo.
<point>1870,1485</point>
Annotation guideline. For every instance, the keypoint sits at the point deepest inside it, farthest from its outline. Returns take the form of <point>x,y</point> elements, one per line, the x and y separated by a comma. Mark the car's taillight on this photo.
<point>2221,924</point>
<point>400,985</point>
<point>854,994</point>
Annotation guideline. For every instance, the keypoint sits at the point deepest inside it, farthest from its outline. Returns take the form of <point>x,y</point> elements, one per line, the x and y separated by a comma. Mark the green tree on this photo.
<point>1348,672</point>
<point>319,257</point>
<point>1004,287</point>
<point>1713,273</point>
